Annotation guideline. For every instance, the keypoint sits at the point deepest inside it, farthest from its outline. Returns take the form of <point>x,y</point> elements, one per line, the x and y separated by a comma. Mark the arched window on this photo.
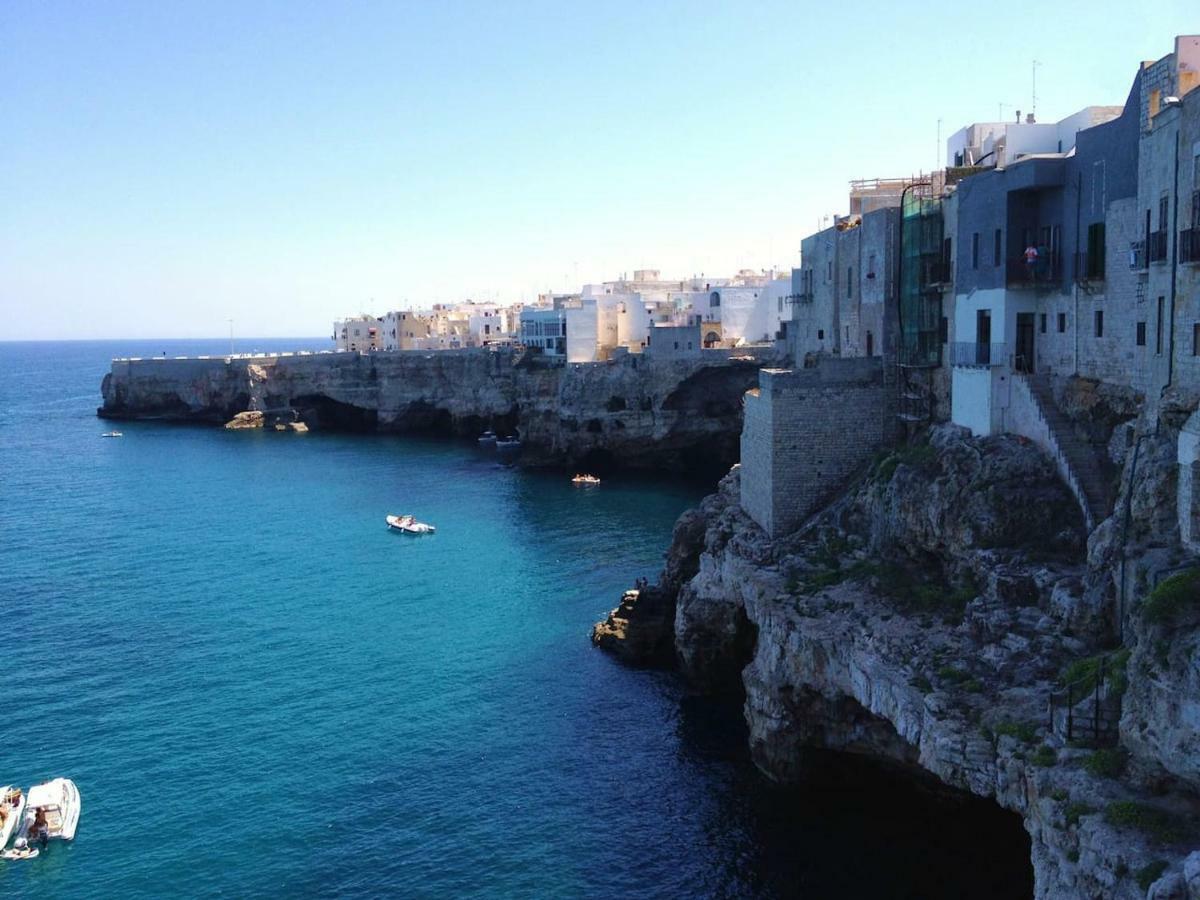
<point>714,299</point>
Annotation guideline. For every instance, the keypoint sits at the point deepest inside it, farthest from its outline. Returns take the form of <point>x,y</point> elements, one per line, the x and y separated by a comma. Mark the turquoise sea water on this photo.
<point>260,691</point>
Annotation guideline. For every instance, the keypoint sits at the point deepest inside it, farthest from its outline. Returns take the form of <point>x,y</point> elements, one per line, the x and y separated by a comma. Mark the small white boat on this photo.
<point>585,479</point>
<point>112,434</point>
<point>20,850</point>
<point>487,439</point>
<point>51,811</point>
<point>12,803</point>
<point>409,525</point>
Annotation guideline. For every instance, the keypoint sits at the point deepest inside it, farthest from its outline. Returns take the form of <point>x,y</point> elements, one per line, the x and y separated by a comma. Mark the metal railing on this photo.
<point>1189,245</point>
<point>1042,273</point>
<point>1095,724</point>
<point>1088,266</point>
<point>803,297</point>
<point>969,354</point>
<point>1158,246</point>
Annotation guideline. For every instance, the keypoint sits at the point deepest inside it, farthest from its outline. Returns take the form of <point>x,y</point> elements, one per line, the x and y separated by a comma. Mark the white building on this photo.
<point>545,329</point>
<point>362,332</point>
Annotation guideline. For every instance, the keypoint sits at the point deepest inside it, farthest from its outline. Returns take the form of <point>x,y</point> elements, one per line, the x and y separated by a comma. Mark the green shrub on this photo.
<point>1059,794</point>
<point>1106,763</point>
<point>1043,756</point>
<point>887,468</point>
<point>1172,596</point>
<point>1074,810</point>
<point>1022,731</point>
<point>1083,673</point>
<point>922,684</point>
<point>1151,821</point>
<point>1150,873</point>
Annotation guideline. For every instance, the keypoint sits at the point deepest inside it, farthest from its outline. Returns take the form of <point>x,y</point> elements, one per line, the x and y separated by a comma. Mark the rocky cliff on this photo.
<point>638,411</point>
<point>929,616</point>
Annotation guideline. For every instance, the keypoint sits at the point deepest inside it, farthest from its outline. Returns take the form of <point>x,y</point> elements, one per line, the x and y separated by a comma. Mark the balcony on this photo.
<point>806,297</point>
<point>1042,275</point>
<point>935,273</point>
<point>1158,246</point>
<point>966,354</point>
<point>1189,246</point>
<point>1137,255</point>
<point>1088,267</point>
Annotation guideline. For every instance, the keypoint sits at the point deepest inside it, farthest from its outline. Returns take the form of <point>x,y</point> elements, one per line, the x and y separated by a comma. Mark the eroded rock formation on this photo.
<point>637,412</point>
<point>928,616</point>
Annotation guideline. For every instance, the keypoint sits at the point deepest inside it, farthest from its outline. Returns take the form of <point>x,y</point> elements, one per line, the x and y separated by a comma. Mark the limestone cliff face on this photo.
<point>638,412</point>
<point>925,618</point>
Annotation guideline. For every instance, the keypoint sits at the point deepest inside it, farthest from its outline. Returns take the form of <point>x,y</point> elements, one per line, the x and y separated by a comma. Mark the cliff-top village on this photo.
<point>1041,249</point>
<point>956,526</point>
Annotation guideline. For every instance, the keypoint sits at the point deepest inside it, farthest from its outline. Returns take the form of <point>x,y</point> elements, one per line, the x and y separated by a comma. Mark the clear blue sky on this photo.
<point>166,166</point>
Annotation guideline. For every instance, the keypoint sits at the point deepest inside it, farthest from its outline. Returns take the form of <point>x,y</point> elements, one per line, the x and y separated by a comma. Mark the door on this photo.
<point>1023,352</point>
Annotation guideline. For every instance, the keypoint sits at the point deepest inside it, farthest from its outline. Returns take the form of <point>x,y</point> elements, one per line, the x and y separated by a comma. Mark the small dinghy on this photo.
<point>409,525</point>
<point>20,850</point>
<point>112,434</point>
<point>487,439</point>
<point>585,479</point>
<point>51,811</point>
<point>12,804</point>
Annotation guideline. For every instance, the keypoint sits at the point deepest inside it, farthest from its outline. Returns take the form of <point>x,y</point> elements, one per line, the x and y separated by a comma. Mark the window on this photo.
<point>871,266</point>
<point>983,326</point>
<point>1095,251</point>
<point>1196,339</point>
<point>996,248</point>
<point>714,299</point>
<point>1141,334</point>
<point>1062,322</point>
<point>1158,327</point>
<point>820,334</point>
<point>849,282</point>
<point>829,270</point>
<point>847,334</point>
<point>870,344</point>
<point>975,250</point>
<point>1162,213</point>
<point>1043,323</point>
<point>1098,320</point>
<point>944,331</point>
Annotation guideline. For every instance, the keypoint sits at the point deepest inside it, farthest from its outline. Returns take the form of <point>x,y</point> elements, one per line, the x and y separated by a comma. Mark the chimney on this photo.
<point>1029,119</point>
<point>1018,117</point>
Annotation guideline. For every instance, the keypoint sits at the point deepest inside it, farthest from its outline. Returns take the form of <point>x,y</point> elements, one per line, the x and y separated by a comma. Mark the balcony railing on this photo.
<point>1042,274</point>
<point>1189,245</point>
<point>969,354</point>
<point>1158,246</point>
<point>1137,255</point>
<point>935,272</point>
<point>804,297</point>
<point>1088,267</point>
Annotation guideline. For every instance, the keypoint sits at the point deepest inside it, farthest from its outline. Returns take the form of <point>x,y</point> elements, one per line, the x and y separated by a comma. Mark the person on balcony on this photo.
<point>1031,262</point>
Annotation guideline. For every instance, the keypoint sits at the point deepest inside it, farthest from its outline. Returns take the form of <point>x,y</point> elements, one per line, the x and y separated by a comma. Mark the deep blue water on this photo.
<point>261,691</point>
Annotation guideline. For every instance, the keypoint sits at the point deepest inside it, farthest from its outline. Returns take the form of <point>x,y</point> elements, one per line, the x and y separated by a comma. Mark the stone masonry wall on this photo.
<point>805,432</point>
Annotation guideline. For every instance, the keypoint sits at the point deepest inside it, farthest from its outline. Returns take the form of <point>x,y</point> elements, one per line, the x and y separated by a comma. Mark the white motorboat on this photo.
<point>112,434</point>
<point>20,850</point>
<point>509,443</point>
<point>409,525</point>
<point>51,811</point>
<point>12,803</point>
<point>487,439</point>
<point>585,479</point>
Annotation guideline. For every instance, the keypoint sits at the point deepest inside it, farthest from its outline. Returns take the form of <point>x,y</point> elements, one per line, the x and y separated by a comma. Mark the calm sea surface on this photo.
<point>262,692</point>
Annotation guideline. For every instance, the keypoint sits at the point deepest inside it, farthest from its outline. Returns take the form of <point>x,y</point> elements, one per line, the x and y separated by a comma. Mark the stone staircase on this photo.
<point>1079,457</point>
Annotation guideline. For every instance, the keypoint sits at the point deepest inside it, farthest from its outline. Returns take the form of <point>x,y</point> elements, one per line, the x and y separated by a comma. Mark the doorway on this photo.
<point>1023,352</point>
